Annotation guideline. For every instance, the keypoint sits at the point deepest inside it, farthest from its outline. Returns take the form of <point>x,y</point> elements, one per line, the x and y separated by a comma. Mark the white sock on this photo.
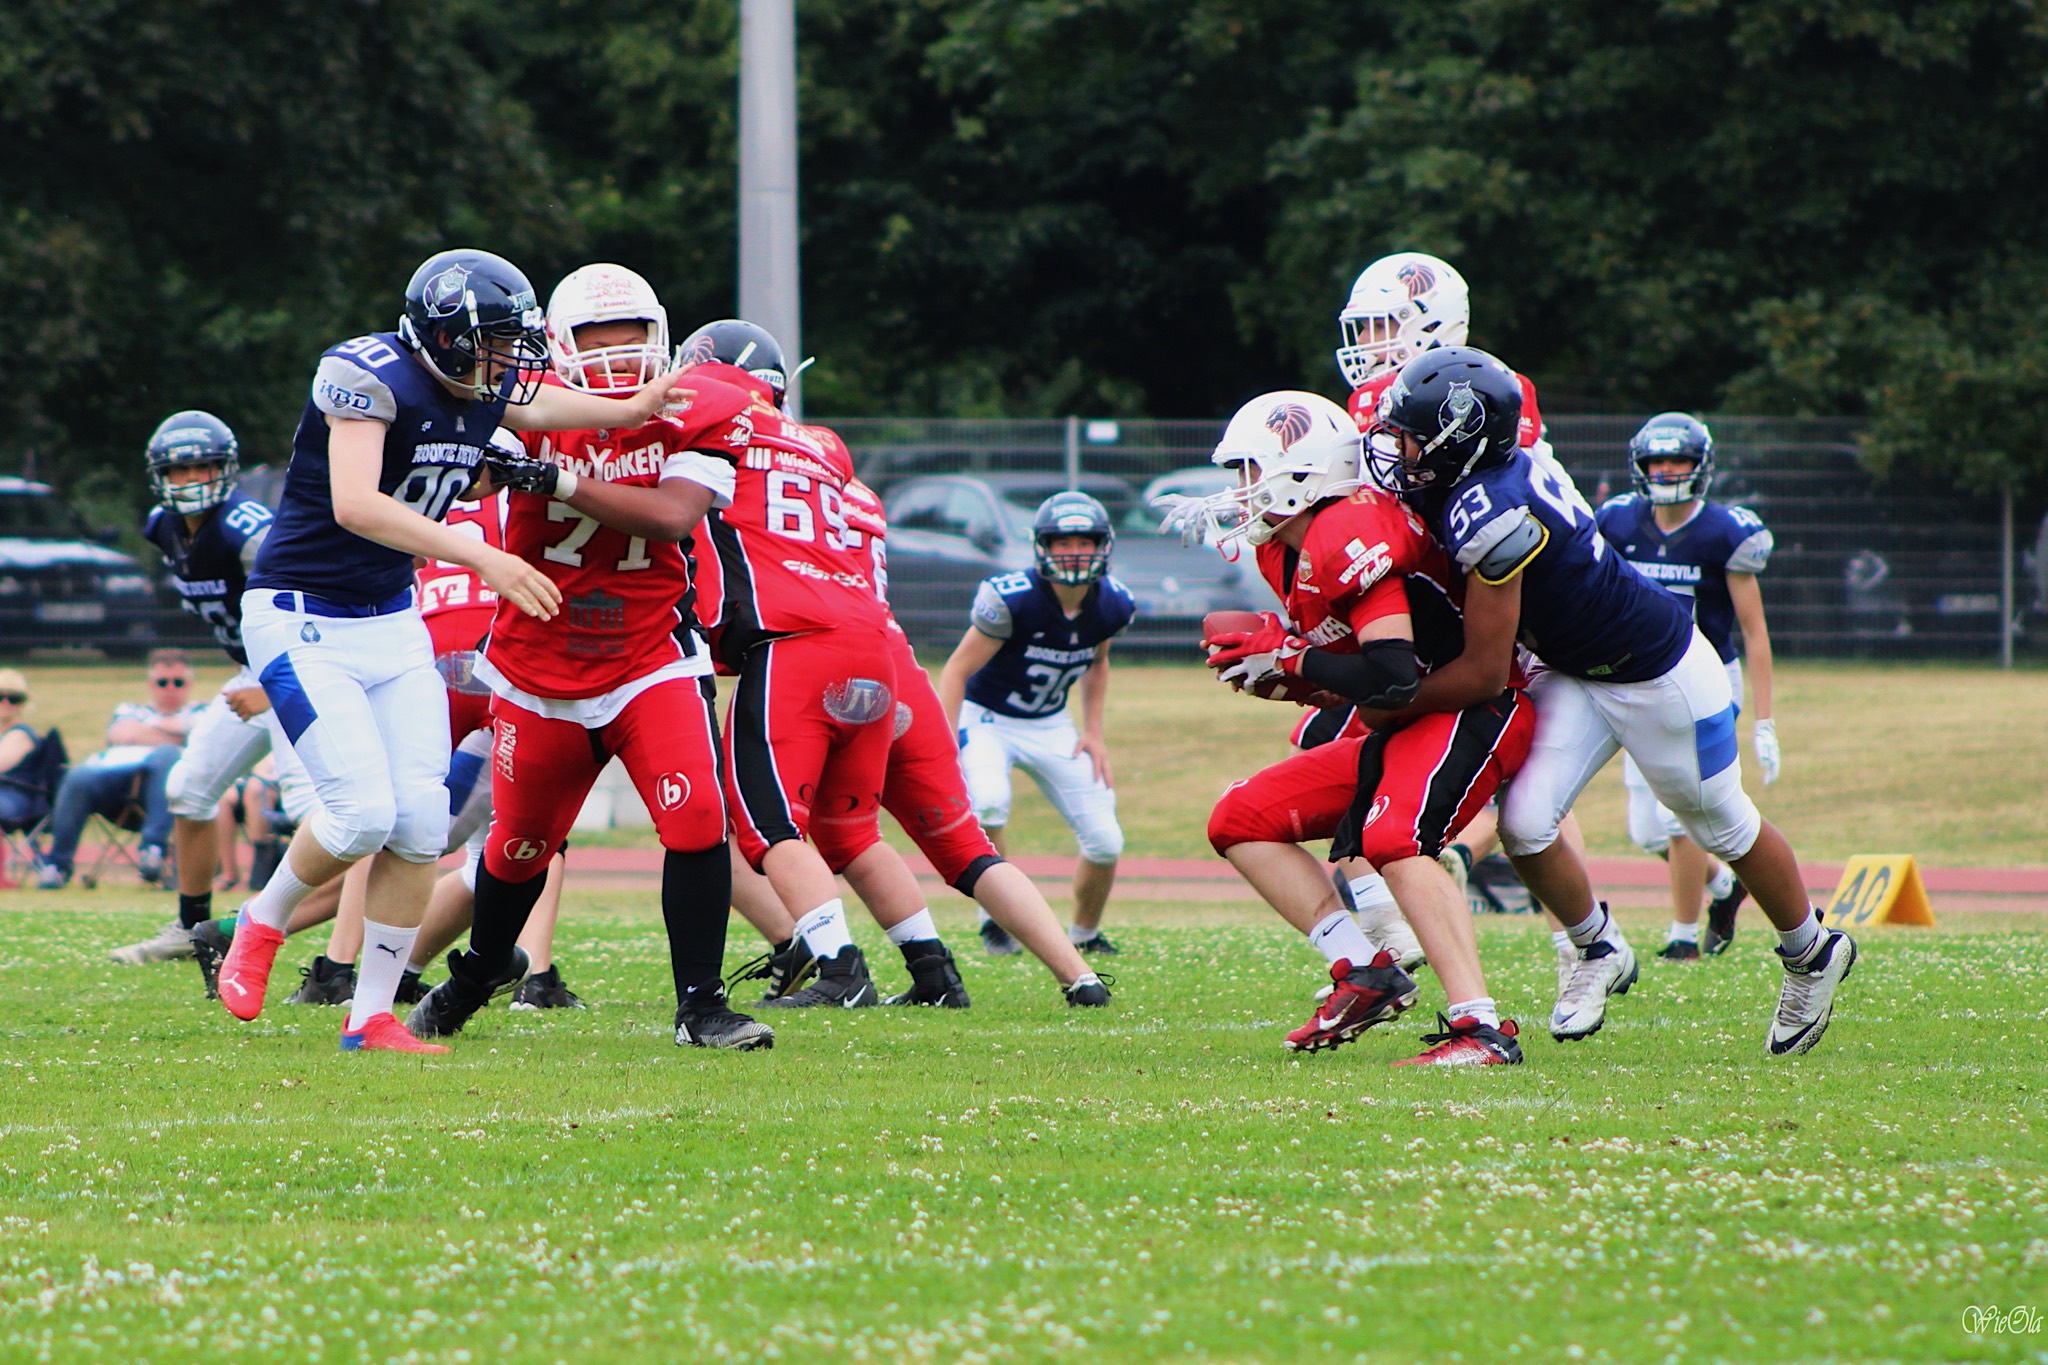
<point>981,917</point>
<point>824,930</point>
<point>386,950</point>
<point>1591,929</point>
<point>1338,937</point>
<point>1683,933</point>
<point>1084,979</point>
<point>1796,945</point>
<point>1370,892</point>
<point>273,905</point>
<point>1077,935</point>
<point>918,926</point>
<point>1722,882</point>
<point>1482,1009</point>
<point>1562,941</point>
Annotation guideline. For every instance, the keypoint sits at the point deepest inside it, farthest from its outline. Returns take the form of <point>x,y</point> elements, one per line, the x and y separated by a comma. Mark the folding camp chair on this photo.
<point>118,838</point>
<point>38,774</point>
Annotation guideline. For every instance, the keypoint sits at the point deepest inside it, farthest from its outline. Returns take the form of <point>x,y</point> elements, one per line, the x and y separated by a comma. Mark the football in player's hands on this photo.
<point>1224,633</point>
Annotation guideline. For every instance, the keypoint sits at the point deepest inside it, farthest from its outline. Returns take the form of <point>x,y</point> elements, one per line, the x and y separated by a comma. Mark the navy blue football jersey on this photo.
<point>1584,610</point>
<point>1693,561</point>
<point>209,566</point>
<point>433,443</point>
<point>1044,652</point>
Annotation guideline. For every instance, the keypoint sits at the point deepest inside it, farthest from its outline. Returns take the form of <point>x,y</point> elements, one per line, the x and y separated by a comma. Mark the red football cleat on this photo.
<point>383,1033</point>
<point>1467,1042</point>
<point>1362,997</point>
<point>245,971</point>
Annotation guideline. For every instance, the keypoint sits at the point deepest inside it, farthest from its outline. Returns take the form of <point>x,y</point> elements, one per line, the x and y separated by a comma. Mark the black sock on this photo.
<point>696,898</point>
<point>502,909</point>
<point>194,911</point>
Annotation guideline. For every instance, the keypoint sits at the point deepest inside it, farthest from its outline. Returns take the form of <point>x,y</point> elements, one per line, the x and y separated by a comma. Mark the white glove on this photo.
<point>1767,750</point>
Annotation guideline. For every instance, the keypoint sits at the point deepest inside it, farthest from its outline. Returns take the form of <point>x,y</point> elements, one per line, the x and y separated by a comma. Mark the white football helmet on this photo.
<point>606,293</point>
<point>1291,450</point>
<point>1400,306</point>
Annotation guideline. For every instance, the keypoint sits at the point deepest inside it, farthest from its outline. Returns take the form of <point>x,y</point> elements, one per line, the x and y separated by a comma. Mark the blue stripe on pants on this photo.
<point>287,696</point>
<point>1714,739</point>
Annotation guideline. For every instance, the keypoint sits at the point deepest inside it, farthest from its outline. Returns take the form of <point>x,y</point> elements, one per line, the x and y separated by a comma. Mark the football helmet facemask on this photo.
<point>1071,514</point>
<point>467,313</point>
<point>1400,306</point>
<point>606,293</point>
<point>188,440</point>
<point>1672,436</point>
<point>1291,450</point>
<point>1461,406</point>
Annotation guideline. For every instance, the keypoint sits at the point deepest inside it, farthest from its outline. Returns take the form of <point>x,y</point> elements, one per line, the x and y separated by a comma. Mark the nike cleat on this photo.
<point>1090,992</point>
<point>167,944</point>
<point>1721,920</point>
<point>842,981</point>
<point>210,945</point>
<point>1097,942</point>
<point>1607,968</point>
<point>1807,999</point>
<point>1467,1042</point>
<point>545,991</point>
<point>704,1020</point>
<point>443,1011</point>
<point>996,939</point>
<point>1567,963</point>
<point>1679,950</point>
<point>1364,996</point>
<point>934,980</point>
<point>383,1033</point>
<point>245,969</point>
<point>325,983</point>
<point>785,968</point>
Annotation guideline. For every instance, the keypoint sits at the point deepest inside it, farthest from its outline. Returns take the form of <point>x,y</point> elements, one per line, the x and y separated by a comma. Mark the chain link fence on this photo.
<point>1859,572</point>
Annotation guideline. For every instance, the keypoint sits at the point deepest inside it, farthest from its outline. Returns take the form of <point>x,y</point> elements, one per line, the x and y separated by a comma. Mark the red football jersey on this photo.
<point>621,594</point>
<point>792,558</point>
<point>455,587</point>
<point>1366,398</point>
<point>1352,567</point>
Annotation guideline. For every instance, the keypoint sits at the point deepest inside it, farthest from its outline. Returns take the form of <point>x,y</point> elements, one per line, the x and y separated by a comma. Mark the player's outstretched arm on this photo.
<point>1748,597</point>
<point>969,657</point>
<point>355,459</point>
<point>1493,613</point>
<point>668,511</point>
<point>558,408</point>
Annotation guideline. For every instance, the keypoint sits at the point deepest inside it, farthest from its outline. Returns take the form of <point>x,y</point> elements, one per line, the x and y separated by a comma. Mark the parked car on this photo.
<point>949,531</point>
<point>58,586</point>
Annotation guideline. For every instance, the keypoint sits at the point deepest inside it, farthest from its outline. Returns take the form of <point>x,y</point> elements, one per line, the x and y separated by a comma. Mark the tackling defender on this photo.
<point>1710,554</point>
<point>395,431</point>
<point>1033,636</point>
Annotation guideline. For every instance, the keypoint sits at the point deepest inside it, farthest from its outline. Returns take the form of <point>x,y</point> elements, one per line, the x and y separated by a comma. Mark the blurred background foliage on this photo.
<point>1033,207</point>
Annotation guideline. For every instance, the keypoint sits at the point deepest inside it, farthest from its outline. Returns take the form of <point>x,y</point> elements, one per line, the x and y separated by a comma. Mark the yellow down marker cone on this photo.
<point>1880,888</point>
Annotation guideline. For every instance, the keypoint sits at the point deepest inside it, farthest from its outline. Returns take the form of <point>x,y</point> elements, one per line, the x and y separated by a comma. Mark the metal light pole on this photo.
<point>771,284</point>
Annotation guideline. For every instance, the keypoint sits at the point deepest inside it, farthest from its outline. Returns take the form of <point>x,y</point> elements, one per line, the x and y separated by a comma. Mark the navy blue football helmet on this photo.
<point>1460,404</point>
<point>1672,436</point>
<point>1071,514</point>
<point>192,439</point>
<point>468,311</point>
<point>741,344</point>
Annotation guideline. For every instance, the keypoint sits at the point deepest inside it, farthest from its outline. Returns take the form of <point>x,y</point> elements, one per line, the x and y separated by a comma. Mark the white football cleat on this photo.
<point>167,944</point>
<point>1807,999</point>
<point>1567,963</point>
<point>1387,928</point>
<point>1607,968</point>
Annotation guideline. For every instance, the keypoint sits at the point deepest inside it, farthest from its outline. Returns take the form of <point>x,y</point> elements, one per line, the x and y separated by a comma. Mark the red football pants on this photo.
<point>924,790</point>
<point>1386,796</point>
<point>541,769</point>
<point>807,743</point>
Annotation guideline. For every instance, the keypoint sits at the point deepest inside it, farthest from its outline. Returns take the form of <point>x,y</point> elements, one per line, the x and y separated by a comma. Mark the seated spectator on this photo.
<point>145,739</point>
<point>17,741</point>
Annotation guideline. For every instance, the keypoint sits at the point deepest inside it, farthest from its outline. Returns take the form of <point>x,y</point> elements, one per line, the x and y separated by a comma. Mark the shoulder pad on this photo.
<point>1752,553</point>
<point>991,611</point>
<point>344,386</point>
<point>1504,546</point>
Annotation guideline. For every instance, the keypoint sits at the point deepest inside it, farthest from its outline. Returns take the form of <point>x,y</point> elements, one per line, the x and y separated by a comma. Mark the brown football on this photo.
<point>1298,690</point>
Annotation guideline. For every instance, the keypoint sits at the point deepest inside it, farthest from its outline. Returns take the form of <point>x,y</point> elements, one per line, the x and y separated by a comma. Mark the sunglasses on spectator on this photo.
<point>14,698</point>
<point>172,682</point>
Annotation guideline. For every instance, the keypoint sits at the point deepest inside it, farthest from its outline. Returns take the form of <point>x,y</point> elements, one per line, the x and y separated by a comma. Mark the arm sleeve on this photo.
<point>1382,676</point>
<point>342,389</point>
<point>1753,554</point>
<point>991,614</point>
<point>713,473</point>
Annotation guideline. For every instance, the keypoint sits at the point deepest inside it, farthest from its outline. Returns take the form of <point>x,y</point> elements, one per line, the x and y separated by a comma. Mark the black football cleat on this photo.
<point>326,982</point>
<point>704,1020</point>
<point>411,990</point>
<point>784,967</point>
<point>545,991</point>
<point>1097,942</point>
<point>1679,950</point>
<point>443,1011</point>
<point>996,939</point>
<point>934,980</point>
<point>1089,993</point>
<point>843,981</point>
<point>210,944</point>
<point>1721,920</point>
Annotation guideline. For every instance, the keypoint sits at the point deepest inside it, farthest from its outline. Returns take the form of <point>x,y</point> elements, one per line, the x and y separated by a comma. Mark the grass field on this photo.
<point>1023,1181</point>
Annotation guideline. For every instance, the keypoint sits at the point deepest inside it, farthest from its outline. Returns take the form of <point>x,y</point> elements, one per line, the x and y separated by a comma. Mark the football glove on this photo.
<point>1249,658</point>
<point>525,476</point>
<point>1767,757</point>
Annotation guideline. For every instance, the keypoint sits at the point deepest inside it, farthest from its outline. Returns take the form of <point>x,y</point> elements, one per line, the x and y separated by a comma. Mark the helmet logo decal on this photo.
<point>703,350</point>
<point>1463,414</point>
<point>444,292</point>
<point>1417,278</point>
<point>1290,422</point>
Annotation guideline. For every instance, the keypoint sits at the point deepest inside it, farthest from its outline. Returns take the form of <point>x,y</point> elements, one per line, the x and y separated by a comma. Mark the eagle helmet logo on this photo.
<point>1290,422</point>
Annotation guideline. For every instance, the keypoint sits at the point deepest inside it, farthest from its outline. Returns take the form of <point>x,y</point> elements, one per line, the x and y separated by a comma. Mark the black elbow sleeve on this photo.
<point>1382,676</point>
